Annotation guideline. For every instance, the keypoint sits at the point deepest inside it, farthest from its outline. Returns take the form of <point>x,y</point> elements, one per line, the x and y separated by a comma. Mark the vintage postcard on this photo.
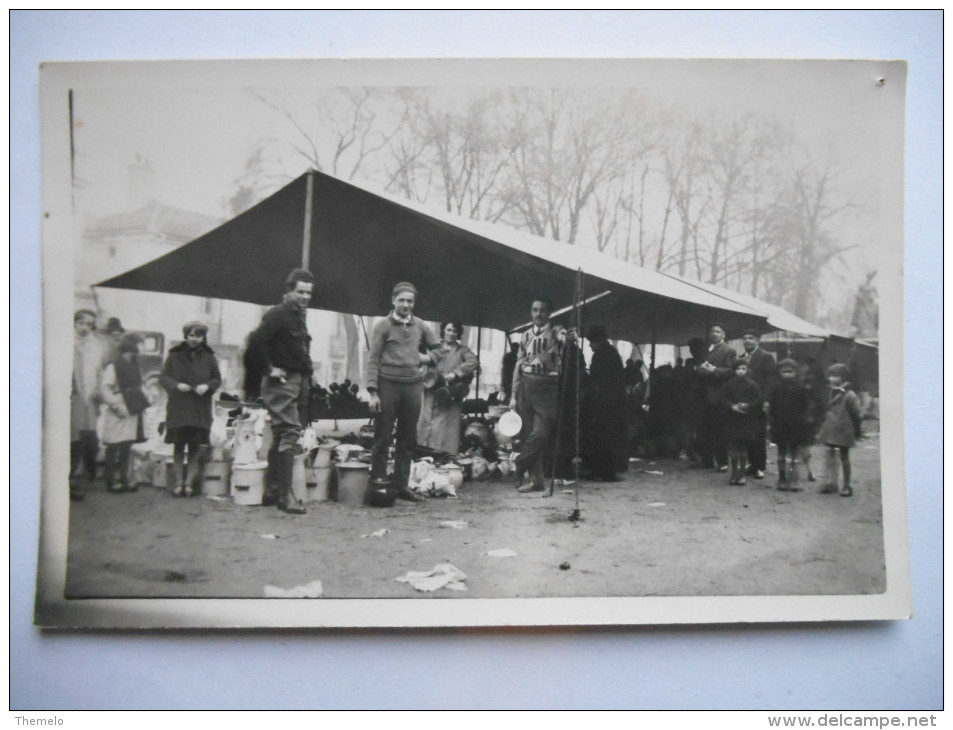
<point>471,343</point>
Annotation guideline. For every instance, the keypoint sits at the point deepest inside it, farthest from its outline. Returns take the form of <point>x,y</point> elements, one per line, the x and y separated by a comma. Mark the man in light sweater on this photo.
<point>400,344</point>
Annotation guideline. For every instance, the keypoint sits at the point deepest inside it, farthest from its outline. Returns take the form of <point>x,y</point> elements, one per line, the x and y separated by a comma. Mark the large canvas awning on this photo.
<point>359,243</point>
<point>778,317</point>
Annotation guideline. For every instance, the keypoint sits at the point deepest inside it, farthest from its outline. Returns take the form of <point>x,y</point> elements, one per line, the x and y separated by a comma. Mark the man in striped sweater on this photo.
<point>400,344</point>
<point>536,391</point>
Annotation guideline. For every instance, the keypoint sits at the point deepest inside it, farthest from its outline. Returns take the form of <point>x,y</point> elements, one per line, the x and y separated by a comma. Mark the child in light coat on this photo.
<point>840,429</point>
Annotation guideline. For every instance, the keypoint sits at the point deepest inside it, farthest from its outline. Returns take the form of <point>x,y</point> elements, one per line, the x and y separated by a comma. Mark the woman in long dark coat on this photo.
<point>604,422</point>
<point>190,377</point>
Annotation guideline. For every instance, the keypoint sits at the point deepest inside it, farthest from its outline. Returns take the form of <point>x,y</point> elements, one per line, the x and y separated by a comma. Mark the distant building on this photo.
<point>113,244</point>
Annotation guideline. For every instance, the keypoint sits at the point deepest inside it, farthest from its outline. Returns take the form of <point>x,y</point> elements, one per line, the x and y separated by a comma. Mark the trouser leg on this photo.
<point>845,468</point>
<point>408,413</point>
<point>90,448</point>
<point>112,458</point>
<point>287,404</point>
<point>125,452</point>
<point>384,430</point>
<point>540,403</point>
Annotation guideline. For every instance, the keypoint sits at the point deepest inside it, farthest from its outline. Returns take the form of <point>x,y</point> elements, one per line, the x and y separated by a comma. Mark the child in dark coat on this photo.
<point>789,410</point>
<point>840,429</point>
<point>741,398</point>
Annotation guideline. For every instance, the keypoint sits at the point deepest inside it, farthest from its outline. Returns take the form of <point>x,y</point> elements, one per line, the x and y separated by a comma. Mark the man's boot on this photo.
<point>782,478</point>
<point>287,502</point>
<point>270,496</point>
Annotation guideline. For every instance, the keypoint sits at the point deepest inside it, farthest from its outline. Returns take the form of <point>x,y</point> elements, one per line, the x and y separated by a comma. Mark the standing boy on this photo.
<point>840,430</point>
<point>789,408</point>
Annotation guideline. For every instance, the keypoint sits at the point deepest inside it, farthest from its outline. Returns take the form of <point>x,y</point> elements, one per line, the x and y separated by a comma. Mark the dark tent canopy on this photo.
<point>359,243</point>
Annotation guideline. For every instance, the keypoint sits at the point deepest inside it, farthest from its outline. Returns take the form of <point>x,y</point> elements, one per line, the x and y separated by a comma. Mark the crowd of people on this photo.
<point>720,408</point>
<point>717,409</point>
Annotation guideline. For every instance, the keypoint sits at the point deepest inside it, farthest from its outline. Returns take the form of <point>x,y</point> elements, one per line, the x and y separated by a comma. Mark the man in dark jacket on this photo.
<point>286,345</point>
<point>604,409</point>
<point>763,370</point>
<point>716,368</point>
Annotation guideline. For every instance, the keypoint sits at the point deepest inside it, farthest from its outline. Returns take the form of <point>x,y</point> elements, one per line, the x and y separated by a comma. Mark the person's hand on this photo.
<point>201,389</point>
<point>374,403</point>
<point>450,377</point>
<point>120,410</point>
<point>279,374</point>
<point>572,335</point>
<point>183,387</point>
<point>513,403</point>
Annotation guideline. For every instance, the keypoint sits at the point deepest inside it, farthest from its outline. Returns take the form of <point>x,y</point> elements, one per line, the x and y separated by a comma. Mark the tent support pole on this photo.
<point>648,387</point>
<point>306,243</point>
<point>479,349</point>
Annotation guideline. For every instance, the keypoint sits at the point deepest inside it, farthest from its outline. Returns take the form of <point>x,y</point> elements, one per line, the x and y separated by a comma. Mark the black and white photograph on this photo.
<point>394,343</point>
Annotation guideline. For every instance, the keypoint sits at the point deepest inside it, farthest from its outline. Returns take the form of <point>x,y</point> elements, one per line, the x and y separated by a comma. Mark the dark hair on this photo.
<point>84,313</point>
<point>739,363</point>
<point>545,300</point>
<point>457,326</point>
<point>753,333</point>
<point>838,369</point>
<point>114,326</point>
<point>598,333</point>
<point>130,342</point>
<point>297,275</point>
<point>787,364</point>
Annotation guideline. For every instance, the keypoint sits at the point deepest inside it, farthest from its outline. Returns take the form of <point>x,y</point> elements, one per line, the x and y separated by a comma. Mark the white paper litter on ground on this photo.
<point>379,533</point>
<point>308,590</point>
<point>455,524</point>
<point>270,537</point>
<point>657,473</point>
<point>656,504</point>
<point>501,553</point>
<point>427,539</point>
<point>442,576</point>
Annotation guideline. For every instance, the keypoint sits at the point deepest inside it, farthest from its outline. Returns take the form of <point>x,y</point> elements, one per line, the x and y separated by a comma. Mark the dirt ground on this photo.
<point>679,533</point>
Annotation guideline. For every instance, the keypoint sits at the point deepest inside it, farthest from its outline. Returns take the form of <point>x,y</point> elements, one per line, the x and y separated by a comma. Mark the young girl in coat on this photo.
<point>122,419</point>
<point>840,429</point>
<point>741,398</point>
<point>190,376</point>
<point>789,410</point>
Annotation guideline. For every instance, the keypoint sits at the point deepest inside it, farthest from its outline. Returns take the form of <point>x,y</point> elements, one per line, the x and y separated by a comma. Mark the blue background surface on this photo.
<point>885,666</point>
